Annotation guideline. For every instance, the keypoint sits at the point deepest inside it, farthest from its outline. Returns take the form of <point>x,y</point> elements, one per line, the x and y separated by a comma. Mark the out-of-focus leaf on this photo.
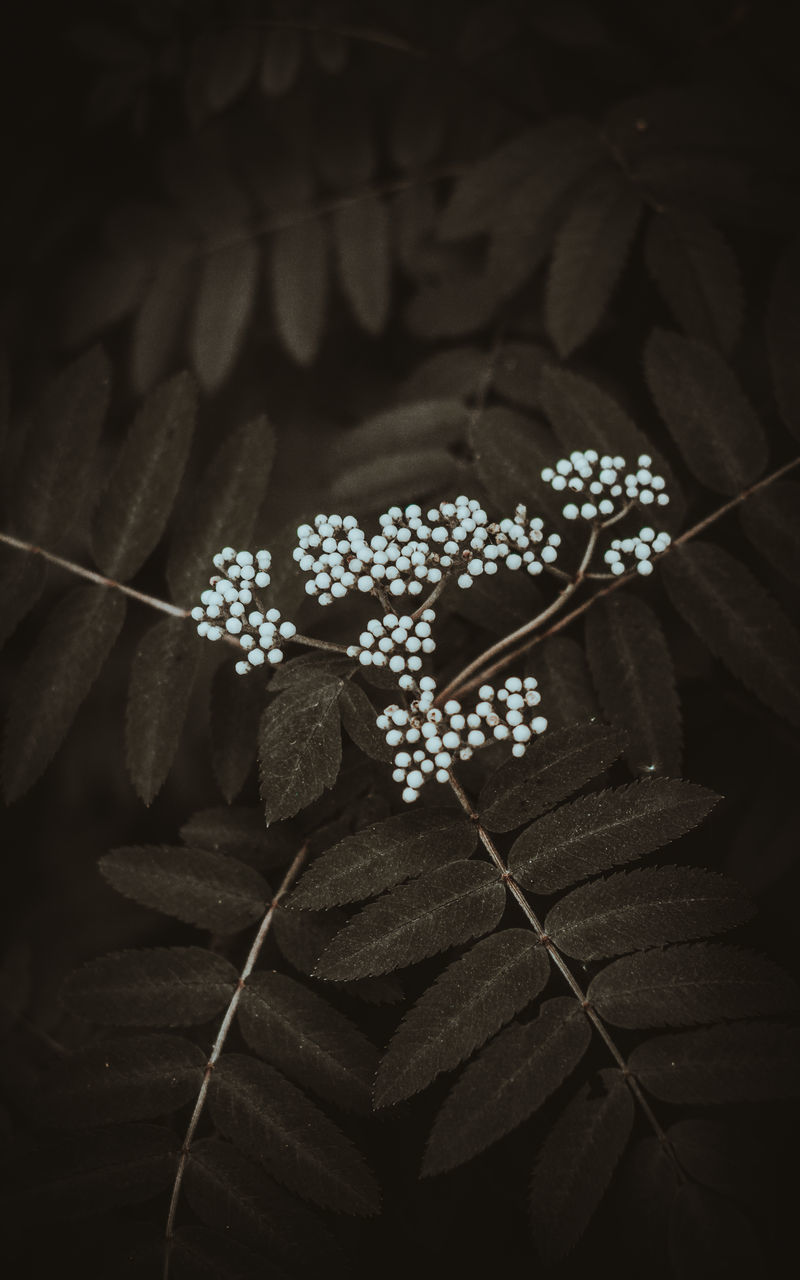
<point>468,1003</point>
<point>105,289</point>
<point>272,1121</point>
<point>411,425</point>
<point>771,520</point>
<point>22,579</point>
<point>59,671</point>
<point>300,746</point>
<point>395,477</point>
<point>161,317</point>
<point>517,370</point>
<point>363,252</point>
<point>358,717</point>
<point>553,767</point>
<point>635,909</point>
<point>740,1062</point>
<point>564,681</point>
<point>783,337</point>
<point>158,987</point>
<point>439,909</point>
<point>280,60</point>
<point>710,1238</point>
<point>510,451</point>
<point>222,308</point>
<point>141,490</point>
<point>236,707</point>
<point>635,679</point>
<point>298,279</point>
<point>194,885</point>
<point>162,677</point>
<point>231,65</point>
<point>696,273</point>
<point>706,411</point>
<point>739,621</point>
<point>239,832</point>
<point>589,256</point>
<point>419,120</point>
<point>605,829</point>
<point>507,1082</point>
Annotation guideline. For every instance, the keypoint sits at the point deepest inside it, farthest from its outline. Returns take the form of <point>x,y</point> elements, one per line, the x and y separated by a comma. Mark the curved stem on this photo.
<point>219,1043</point>
<point>560,964</point>
<point>328,645</point>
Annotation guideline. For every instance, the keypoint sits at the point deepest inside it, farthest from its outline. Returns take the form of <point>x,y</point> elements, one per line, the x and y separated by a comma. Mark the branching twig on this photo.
<point>217,1048</point>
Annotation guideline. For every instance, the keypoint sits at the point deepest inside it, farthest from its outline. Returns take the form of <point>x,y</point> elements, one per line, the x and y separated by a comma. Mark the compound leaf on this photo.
<point>696,982</point>
<point>507,1082</point>
<point>605,829</point>
<point>300,746</point>
<point>307,1040</point>
<point>635,909</point>
<point>576,1163</point>
<point>474,997</point>
<point>739,621</point>
<point>162,678</point>
<point>59,671</point>
<point>382,855</point>
<point>553,767</point>
<point>194,885</point>
<point>706,411</point>
<point>157,987</point>
<point>141,489</point>
<point>740,1062</point>
<point>635,680</point>
<point>274,1123</point>
<point>440,909</point>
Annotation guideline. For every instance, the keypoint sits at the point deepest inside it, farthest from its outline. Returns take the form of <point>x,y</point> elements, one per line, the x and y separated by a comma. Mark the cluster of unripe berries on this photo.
<point>429,739</point>
<point>396,643</point>
<point>600,486</point>
<point>638,550</point>
<point>518,542</point>
<point>228,608</point>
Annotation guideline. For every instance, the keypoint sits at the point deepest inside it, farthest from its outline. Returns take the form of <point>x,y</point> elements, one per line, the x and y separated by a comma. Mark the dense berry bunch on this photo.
<point>397,643</point>
<point>228,608</point>
<point>521,542</point>
<point>638,550</point>
<point>429,739</point>
<point>600,486</point>
<point>334,552</point>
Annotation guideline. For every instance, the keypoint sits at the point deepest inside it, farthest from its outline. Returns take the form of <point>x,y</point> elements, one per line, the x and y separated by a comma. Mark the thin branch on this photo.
<point>217,1048</point>
<point>432,598</point>
<point>328,645</point>
<point>561,965</point>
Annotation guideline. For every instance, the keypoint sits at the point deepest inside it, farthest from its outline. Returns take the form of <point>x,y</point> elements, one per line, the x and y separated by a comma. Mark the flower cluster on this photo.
<point>430,739</point>
<point>397,643</point>
<point>600,486</point>
<point>228,608</point>
<point>518,542</point>
<point>638,550</point>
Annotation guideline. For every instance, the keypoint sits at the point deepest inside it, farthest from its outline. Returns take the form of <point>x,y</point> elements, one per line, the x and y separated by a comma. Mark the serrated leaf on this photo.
<point>382,855</point>
<point>299,272</point>
<point>234,715</point>
<point>588,257</point>
<point>132,1078</point>
<point>576,1163</point>
<point>771,520</point>
<point>684,985</point>
<point>194,885</point>
<point>274,1123</point>
<point>710,1238</point>
<point>468,1003</point>
<point>59,671</point>
<point>741,1062</point>
<point>553,767</point>
<point>223,509</point>
<point>300,746</point>
<point>222,309</point>
<point>706,411</point>
<point>162,678</point>
<point>783,336</point>
<point>157,987</point>
<point>697,275</point>
<point>646,908</point>
<point>604,830</point>
<point>66,422</point>
<point>438,910</point>
<point>739,622</point>
<point>138,500</point>
<point>302,936</point>
<point>635,679</point>
<point>560,666</point>
<point>507,1082</point>
<point>358,717</point>
<point>161,316</point>
<point>363,252</point>
<point>307,1039</point>
<point>229,1192</point>
<point>239,831</point>
<point>103,1169</point>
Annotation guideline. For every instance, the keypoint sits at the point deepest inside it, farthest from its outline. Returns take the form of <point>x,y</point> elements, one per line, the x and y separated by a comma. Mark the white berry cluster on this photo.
<point>601,485</point>
<point>397,643</point>
<point>429,739</point>
<point>638,550</point>
<point>228,608</point>
<point>518,542</point>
